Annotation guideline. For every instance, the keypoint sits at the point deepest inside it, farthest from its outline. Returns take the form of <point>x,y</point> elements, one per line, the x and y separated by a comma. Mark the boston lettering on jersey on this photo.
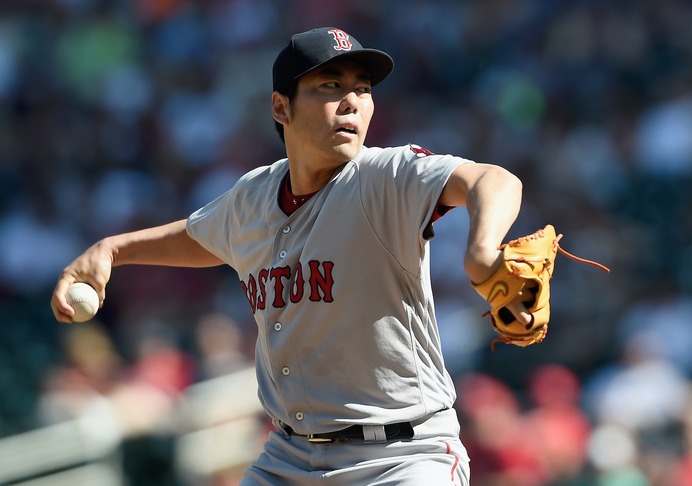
<point>313,281</point>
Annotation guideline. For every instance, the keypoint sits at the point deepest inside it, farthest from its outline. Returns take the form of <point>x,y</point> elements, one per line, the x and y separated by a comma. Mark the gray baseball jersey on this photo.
<point>340,290</point>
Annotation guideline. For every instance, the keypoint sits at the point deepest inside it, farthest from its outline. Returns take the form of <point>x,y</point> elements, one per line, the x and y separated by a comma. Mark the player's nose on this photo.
<point>349,103</point>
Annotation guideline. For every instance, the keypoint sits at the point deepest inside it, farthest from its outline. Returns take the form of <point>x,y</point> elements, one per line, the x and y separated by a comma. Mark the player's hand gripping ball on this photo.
<point>84,300</point>
<point>527,267</point>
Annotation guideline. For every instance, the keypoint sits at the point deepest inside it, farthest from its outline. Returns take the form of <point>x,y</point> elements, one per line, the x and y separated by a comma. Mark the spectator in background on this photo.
<point>503,450</point>
<point>556,423</point>
<point>93,370</point>
<point>220,346</point>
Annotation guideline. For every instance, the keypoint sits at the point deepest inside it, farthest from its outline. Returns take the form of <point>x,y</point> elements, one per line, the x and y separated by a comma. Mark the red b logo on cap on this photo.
<point>343,43</point>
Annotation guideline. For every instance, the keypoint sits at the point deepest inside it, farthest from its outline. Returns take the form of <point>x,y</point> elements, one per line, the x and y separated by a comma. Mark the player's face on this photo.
<point>331,112</point>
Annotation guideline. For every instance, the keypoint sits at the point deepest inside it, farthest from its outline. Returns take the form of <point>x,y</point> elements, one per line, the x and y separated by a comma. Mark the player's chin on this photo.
<point>347,150</point>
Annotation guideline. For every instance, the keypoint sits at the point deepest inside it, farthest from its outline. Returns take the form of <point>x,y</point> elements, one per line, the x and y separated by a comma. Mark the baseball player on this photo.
<point>331,248</point>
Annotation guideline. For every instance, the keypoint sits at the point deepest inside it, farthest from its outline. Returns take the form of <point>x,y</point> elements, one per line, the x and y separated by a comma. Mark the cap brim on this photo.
<point>377,63</point>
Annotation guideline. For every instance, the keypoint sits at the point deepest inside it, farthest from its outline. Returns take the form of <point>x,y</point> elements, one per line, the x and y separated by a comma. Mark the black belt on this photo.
<point>401,430</point>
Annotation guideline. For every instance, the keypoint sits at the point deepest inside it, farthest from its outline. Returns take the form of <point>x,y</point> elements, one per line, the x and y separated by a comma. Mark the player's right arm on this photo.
<point>168,245</point>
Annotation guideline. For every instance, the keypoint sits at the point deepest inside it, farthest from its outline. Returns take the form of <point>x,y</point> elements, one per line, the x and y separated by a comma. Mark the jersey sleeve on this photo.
<point>401,188</point>
<point>210,226</point>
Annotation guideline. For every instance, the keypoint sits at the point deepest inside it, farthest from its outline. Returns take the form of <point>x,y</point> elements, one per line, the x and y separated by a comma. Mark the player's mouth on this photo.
<point>347,129</point>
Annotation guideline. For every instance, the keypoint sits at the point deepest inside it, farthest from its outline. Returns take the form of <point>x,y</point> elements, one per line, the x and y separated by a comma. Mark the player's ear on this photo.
<point>280,107</point>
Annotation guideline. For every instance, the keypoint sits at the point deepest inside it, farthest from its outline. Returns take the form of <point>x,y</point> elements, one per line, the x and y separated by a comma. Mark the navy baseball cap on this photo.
<point>308,50</point>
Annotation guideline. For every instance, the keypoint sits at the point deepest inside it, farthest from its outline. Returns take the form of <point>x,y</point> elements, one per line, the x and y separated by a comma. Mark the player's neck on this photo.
<point>308,180</point>
<point>312,166</point>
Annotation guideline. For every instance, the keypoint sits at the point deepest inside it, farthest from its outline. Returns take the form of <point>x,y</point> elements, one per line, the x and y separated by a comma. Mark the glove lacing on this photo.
<point>556,245</point>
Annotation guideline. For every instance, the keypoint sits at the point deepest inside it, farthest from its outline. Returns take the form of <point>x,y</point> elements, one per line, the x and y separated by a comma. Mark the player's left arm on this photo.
<point>492,196</point>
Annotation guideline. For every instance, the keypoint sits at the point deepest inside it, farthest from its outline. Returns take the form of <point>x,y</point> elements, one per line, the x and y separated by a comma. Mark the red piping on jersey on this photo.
<point>456,459</point>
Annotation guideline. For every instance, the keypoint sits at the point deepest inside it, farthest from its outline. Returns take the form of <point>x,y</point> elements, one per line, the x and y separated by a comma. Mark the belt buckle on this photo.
<point>318,440</point>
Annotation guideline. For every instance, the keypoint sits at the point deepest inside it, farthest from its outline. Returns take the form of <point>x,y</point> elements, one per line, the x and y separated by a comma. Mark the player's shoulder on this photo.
<point>261,176</point>
<point>389,155</point>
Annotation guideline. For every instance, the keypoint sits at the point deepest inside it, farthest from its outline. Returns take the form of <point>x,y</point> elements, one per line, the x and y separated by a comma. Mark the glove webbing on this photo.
<point>557,246</point>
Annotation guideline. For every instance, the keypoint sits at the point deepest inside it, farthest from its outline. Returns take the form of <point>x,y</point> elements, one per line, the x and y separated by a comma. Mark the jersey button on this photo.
<point>286,370</point>
<point>277,326</point>
<point>299,416</point>
<point>286,230</point>
<point>283,253</point>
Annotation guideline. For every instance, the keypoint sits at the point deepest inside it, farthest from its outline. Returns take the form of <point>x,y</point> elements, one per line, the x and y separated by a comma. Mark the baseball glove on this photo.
<point>527,267</point>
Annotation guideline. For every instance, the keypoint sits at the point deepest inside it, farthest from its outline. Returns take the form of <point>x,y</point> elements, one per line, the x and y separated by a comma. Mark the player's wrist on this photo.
<point>481,262</point>
<point>111,249</point>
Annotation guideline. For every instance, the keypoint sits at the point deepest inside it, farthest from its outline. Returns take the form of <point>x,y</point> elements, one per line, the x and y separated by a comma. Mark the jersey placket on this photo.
<point>286,368</point>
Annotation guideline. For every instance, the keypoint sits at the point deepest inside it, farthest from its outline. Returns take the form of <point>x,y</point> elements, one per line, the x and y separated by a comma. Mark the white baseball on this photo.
<point>84,300</point>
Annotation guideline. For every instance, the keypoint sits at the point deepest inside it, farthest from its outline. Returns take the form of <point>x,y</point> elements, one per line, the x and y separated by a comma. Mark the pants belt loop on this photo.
<point>374,434</point>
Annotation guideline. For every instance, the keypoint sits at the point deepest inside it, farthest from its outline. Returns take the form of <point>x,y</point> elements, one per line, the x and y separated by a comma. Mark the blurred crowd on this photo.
<point>120,114</point>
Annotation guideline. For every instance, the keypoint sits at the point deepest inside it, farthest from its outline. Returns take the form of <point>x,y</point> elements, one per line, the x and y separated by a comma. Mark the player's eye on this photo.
<point>365,89</point>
